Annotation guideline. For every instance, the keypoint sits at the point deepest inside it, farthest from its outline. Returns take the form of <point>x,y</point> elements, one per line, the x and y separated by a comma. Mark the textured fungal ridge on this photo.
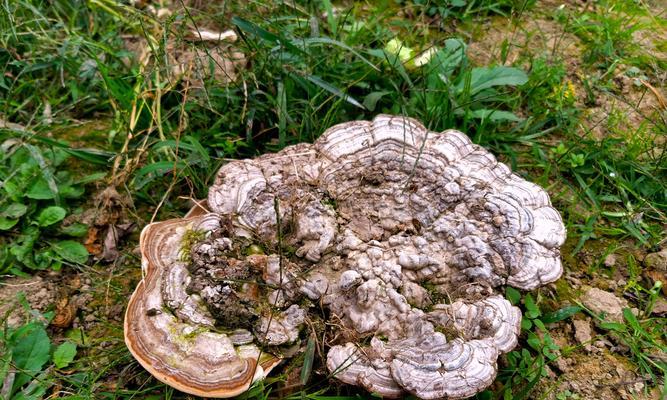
<point>402,234</point>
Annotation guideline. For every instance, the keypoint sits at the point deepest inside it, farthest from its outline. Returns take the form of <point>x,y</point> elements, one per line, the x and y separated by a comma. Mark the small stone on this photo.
<point>660,307</point>
<point>599,344</point>
<point>600,301</point>
<point>620,349</point>
<point>90,318</point>
<point>610,260</point>
<point>657,261</point>
<point>583,333</point>
<point>561,364</point>
<point>53,273</point>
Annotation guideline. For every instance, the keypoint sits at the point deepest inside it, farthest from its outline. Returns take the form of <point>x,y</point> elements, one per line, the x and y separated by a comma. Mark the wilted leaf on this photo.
<point>114,235</point>
<point>51,215</point>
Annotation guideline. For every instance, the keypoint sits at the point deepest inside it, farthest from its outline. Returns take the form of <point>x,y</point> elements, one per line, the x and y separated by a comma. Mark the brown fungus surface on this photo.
<point>400,233</point>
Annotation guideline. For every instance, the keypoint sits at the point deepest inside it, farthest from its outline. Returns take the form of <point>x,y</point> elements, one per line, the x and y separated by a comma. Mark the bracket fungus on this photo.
<point>395,237</point>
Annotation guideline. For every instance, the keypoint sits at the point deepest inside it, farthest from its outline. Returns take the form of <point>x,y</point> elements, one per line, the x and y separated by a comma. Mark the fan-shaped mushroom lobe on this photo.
<point>403,234</point>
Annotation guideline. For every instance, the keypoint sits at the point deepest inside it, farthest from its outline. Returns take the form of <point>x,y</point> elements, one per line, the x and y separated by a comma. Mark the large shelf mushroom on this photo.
<point>401,233</point>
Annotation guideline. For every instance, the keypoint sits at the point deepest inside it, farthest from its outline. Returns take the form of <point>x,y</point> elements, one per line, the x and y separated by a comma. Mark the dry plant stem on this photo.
<point>181,126</point>
<point>401,233</point>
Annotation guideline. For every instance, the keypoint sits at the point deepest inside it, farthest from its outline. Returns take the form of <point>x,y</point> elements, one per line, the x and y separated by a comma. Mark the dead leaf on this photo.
<point>112,239</point>
<point>91,242</point>
<point>65,312</point>
<point>656,93</point>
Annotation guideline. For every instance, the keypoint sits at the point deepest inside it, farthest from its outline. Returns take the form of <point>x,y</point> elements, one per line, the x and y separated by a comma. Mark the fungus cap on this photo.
<point>179,349</point>
<point>402,233</point>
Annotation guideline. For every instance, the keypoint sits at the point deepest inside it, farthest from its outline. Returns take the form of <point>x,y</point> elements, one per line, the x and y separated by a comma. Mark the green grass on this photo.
<point>309,66</point>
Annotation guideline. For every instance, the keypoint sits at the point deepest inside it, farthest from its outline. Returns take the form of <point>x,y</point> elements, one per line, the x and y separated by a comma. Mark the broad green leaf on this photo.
<point>371,99</point>
<point>539,325</point>
<point>22,247</point>
<point>64,354</point>
<point>559,315</point>
<point>495,115</point>
<point>90,178</point>
<point>51,215</point>
<point>77,336</point>
<point>71,251</point>
<point>6,223</point>
<point>448,59</point>
<point>513,295</point>
<point>613,326</point>
<point>45,258</point>
<point>30,352</point>
<point>488,77</point>
<point>631,319</point>
<point>72,192</point>
<point>46,172</point>
<point>532,311</point>
<point>14,210</point>
<point>308,361</point>
<point>526,324</point>
<point>40,190</point>
<point>534,341</point>
<point>76,229</point>
<point>13,190</point>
